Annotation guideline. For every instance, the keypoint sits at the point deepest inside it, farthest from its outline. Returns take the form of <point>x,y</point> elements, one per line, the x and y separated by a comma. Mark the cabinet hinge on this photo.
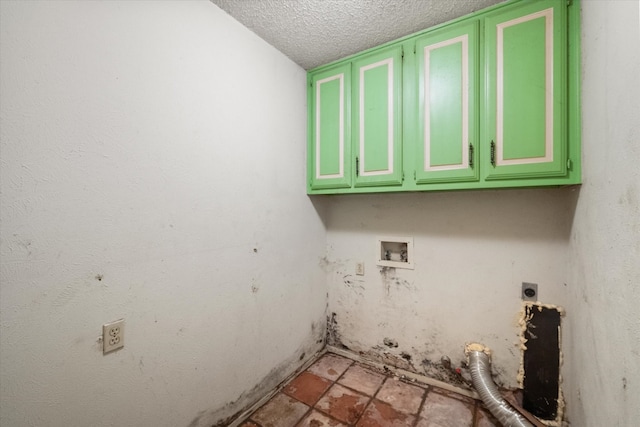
<point>569,164</point>
<point>402,53</point>
<point>414,175</point>
<point>357,166</point>
<point>402,176</point>
<point>493,154</point>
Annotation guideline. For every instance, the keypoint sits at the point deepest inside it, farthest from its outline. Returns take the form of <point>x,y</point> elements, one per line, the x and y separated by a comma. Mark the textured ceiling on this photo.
<point>315,32</point>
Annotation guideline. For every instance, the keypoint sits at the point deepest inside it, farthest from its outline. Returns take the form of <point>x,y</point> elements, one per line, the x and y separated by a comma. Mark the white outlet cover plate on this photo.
<point>112,336</point>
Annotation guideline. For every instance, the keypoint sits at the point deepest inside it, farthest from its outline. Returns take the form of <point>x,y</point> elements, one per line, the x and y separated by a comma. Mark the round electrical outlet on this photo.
<point>529,291</point>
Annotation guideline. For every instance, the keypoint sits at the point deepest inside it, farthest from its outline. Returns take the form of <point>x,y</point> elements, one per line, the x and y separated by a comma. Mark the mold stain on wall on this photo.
<point>333,333</point>
<point>231,411</point>
<point>472,250</point>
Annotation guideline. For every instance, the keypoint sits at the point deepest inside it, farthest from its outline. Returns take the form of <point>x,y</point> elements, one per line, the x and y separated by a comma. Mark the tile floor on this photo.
<point>338,392</point>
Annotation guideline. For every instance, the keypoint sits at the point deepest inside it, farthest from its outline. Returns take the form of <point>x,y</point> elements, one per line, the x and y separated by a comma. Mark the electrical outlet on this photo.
<point>529,291</point>
<point>112,336</point>
<point>360,268</point>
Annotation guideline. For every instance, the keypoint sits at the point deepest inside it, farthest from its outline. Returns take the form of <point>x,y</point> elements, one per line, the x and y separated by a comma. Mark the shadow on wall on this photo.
<point>532,214</point>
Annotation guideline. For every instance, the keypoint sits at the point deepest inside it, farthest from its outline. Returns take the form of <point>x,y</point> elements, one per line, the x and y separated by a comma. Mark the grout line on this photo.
<point>424,399</point>
<point>474,421</point>
<point>305,415</point>
<point>401,372</point>
<point>345,371</point>
<point>373,397</point>
<point>386,378</point>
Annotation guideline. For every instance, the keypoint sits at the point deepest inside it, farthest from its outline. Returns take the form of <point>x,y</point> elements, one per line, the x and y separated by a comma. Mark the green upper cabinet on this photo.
<point>329,157</point>
<point>525,111</point>
<point>377,118</point>
<point>447,83</point>
<point>490,100</point>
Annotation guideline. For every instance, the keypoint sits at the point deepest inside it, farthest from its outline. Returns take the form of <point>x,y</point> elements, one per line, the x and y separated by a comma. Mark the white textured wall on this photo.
<point>472,252</point>
<point>602,345</point>
<point>153,145</point>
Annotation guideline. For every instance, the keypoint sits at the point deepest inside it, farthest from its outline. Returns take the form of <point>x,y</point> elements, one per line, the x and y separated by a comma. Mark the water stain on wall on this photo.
<point>381,355</point>
<point>388,276</point>
<point>333,332</point>
<point>318,331</point>
<point>444,371</point>
<point>353,284</point>
<point>390,280</point>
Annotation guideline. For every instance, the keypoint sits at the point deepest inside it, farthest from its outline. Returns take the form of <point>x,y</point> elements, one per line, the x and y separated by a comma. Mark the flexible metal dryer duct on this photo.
<point>480,367</point>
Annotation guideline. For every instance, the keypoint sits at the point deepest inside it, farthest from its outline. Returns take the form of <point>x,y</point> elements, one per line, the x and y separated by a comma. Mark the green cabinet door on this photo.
<point>329,149</point>
<point>447,86</point>
<point>525,107</point>
<point>377,118</point>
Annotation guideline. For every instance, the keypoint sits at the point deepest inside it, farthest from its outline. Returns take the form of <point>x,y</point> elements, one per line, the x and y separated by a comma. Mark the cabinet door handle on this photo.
<point>357,166</point>
<point>471,155</point>
<point>493,154</point>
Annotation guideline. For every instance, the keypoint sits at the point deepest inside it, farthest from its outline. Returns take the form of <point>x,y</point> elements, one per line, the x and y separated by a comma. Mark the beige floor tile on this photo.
<point>402,396</point>
<point>280,411</point>
<point>343,404</point>
<point>380,414</point>
<point>362,380</point>
<point>330,366</point>
<point>443,411</point>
